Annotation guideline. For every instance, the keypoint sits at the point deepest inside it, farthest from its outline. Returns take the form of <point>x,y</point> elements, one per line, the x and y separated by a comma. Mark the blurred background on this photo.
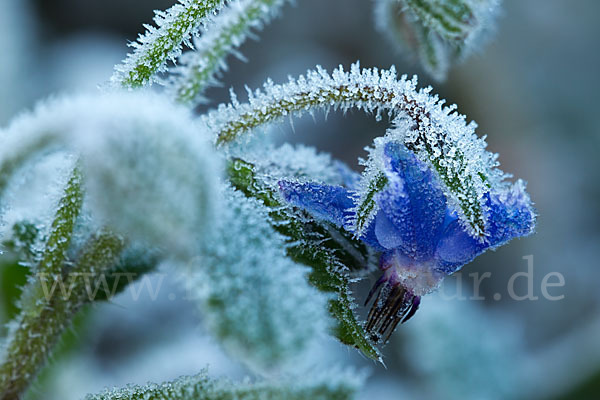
<point>533,92</point>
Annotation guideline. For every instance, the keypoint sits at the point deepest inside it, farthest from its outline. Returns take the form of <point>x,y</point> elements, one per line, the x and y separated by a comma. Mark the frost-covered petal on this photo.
<point>456,248</point>
<point>386,233</point>
<point>510,215</point>
<point>413,201</point>
<point>327,202</point>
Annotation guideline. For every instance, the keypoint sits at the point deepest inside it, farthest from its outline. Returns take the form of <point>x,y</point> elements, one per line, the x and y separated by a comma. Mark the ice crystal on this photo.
<point>227,31</point>
<point>163,42</point>
<point>436,133</point>
<point>256,299</point>
<point>328,386</point>
<point>438,32</point>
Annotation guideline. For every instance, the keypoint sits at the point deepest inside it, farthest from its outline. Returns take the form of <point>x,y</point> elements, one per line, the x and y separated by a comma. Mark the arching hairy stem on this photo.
<point>437,134</point>
<point>163,42</point>
<point>197,68</point>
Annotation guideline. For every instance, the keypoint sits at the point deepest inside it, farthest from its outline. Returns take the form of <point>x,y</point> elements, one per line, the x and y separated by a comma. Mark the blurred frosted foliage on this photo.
<point>460,350</point>
<point>255,299</point>
<point>149,169</point>
<point>436,32</point>
<point>332,386</point>
<point>16,33</point>
<point>295,162</point>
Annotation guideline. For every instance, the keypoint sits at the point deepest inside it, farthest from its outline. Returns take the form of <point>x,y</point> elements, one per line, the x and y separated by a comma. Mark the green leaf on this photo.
<point>451,19</point>
<point>331,253</point>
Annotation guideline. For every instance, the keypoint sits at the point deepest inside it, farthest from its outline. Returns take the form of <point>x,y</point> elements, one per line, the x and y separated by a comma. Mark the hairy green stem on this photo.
<point>44,314</point>
<point>152,51</point>
<point>227,31</point>
<point>33,335</point>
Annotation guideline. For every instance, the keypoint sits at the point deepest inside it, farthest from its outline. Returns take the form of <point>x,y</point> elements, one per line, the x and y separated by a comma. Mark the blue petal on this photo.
<point>457,247</point>
<point>386,233</point>
<point>413,201</point>
<point>510,215</point>
<point>325,202</point>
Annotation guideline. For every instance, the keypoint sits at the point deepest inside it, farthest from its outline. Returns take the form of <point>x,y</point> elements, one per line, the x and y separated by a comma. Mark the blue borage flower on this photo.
<point>417,230</point>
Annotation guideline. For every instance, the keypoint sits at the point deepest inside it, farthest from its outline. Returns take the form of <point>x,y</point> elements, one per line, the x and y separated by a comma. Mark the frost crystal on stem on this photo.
<point>227,31</point>
<point>437,134</point>
<point>163,43</point>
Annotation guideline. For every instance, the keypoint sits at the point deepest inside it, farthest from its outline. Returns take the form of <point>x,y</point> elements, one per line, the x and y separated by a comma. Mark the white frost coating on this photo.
<point>223,35</point>
<point>438,134</point>
<point>255,299</point>
<point>163,42</point>
<point>148,172</point>
<point>297,162</point>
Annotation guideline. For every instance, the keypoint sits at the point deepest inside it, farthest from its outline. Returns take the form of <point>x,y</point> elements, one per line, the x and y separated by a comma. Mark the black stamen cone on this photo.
<point>393,304</point>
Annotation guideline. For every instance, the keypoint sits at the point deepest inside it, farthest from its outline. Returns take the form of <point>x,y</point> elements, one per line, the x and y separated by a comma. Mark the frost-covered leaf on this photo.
<point>255,299</point>
<point>197,68</point>
<point>329,386</point>
<point>149,169</point>
<point>148,173</point>
<point>436,32</point>
<point>437,134</point>
<point>24,241</point>
<point>162,43</point>
<point>331,253</point>
<point>452,19</point>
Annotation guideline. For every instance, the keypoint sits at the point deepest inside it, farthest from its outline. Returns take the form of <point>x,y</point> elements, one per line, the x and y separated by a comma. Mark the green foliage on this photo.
<point>452,19</point>
<point>322,247</point>
<point>201,387</point>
